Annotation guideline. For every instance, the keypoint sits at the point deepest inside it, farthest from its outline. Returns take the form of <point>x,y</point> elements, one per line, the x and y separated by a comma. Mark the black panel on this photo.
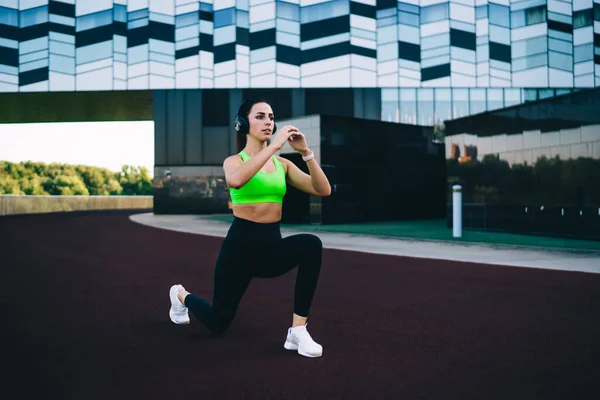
<point>59,8</point>
<point>439,71</point>
<point>137,36</point>
<point>93,36</point>
<point>322,53</point>
<point>215,107</point>
<point>206,42</point>
<point>262,39</point>
<point>363,51</point>
<point>462,39</point>
<point>500,52</point>
<point>33,32</point>
<point>190,51</point>
<point>242,36</point>
<point>33,76</point>
<point>560,26</point>
<point>596,58</point>
<point>363,10</point>
<point>597,39</point>
<point>289,55</point>
<point>409,51</point>
<point>327,27</point>
<point>10,32</point>
<point>383,4</point>
<point>120,28</point>
<point>160,31</point>
<point>60,28</point>
<point>206,16</point>
<point>9,56</point>
<point>224,52</point>
<point>330,101</point>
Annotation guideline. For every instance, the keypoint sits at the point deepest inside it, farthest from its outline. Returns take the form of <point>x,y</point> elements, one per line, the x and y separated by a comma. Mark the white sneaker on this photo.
<point>299,339</point>
<point>178,312</point>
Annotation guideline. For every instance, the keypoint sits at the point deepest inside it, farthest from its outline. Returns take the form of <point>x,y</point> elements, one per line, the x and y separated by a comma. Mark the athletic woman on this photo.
<point>253,247</point>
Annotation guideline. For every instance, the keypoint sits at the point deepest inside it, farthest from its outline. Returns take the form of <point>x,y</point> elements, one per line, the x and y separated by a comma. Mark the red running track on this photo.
<point>84,315</point>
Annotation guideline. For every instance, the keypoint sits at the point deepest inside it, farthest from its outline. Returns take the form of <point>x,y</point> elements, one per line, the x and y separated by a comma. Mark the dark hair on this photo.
<point>243,111</point>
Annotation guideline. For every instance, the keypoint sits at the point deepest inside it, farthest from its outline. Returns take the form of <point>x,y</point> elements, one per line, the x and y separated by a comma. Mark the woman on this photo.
<point>253,246</point>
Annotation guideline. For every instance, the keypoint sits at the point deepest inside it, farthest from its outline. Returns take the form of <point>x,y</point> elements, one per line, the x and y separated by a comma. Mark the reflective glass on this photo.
<point>224,17</point>
<point>434,13</point>
<point>408,106</point>
<point>319,12</point>
<point>530,62</point>
<point>477,101</point>
<point>9,16</point>
<point>583,18</point>
<point>499,15</point>
<point>585,52</point>
<point>33,16</point>
<point>443,104</point>
<point>495,99</point>
<point>561,61</point>
<point>408,19</point>
<point>512,97</point>
<point>560,45</point>
<point>425,106</point>
<point>523,48</point>
<point>288,11</point>
<point>460,103</point>
<point>186,19</point>
<point>481,12</point>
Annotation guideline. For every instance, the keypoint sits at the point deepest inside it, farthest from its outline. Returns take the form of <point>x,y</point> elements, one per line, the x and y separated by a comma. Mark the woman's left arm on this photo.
<point>316,181</point>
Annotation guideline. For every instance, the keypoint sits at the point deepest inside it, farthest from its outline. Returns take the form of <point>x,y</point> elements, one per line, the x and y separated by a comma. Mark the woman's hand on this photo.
<point>298,142</point>
<point>282,136</point>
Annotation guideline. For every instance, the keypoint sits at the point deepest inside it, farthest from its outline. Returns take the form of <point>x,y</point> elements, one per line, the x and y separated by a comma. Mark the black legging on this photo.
<point>251,250</point>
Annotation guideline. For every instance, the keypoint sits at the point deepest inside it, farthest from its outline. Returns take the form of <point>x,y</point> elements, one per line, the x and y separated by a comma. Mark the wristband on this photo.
<point>309,157</point>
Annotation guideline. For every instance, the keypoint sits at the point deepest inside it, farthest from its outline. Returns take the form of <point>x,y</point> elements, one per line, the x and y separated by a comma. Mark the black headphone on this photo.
<point>241,123</point>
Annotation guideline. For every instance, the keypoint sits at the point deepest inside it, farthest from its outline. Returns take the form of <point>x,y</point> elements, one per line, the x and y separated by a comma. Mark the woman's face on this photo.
<point>261,121</point>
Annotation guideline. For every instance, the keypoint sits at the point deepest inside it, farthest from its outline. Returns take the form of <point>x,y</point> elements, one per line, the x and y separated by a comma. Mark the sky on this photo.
<point>101,144</point>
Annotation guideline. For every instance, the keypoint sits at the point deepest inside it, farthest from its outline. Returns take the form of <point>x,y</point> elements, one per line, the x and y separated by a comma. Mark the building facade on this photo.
<point>432,60</point>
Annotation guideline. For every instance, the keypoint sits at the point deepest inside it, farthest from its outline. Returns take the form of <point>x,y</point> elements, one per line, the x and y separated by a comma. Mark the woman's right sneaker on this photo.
<point>178,312</point>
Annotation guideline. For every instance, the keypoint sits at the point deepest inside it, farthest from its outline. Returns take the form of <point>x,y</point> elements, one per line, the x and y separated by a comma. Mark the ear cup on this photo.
<point>241,124</point>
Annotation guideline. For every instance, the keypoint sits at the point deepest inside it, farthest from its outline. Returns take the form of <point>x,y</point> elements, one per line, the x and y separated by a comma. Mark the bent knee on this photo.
<point>313,241</point>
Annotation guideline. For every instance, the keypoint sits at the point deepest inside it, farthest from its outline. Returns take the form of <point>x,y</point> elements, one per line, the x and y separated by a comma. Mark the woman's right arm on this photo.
<point>238,173</point>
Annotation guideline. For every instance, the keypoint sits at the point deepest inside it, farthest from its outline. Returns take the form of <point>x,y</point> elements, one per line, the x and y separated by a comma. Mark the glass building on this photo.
<point>432,60</point>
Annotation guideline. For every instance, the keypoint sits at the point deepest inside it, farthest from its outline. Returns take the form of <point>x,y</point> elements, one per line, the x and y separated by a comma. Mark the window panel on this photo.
<point>566,19</point>
<point>512,97</point>
<point>443,104</point>
<point>408,106</point>
<point>560,45</point>
<point>585,52</point>
<point>288,11</point>
<point>186,19</point>
<point>499,15</point>
<point>530,62</point>
<point>561,61</point>
<point>408,19</point>
<point>33,16</point>
<point>460,103</point>
<point>434,13</point>
<point>477,101</point>
<point>431,42</point>
<point>523,48</point>
<point>481,12</point>
<point>529,16</point>
<point>9,16</point>
<point>583,18</point>
<point>224,17</point>
<point>323,11</point>
<point>425,106</point>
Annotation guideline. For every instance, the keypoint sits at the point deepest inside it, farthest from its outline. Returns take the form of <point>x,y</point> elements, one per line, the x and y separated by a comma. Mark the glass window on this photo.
<point>596,11</point>
<point>389,105</point>
<point>530,95</point>
<point>323,11</point>
<point>224,17</point>
<point>288,11</point>
<point>545,93</point>
<point>8,16</point>
<point>408,106</point>
<point>243,19</point>
<point>386,35</point>
<point>512,97</point>
<point>530,62</point>
<point>481,12</point>
<point>431,42</point>
<point>95,52</point>
<point>523,48</point>
<point>33,16</point>
<point>443,105</point>
<point>434,13</point>
<point>460,103</point>
<point>408,8</point>
<point>583,18</point>
<point>529,16</point>
<point>140,14</point>
<point>499,15</point>
<point>425,104</point>
<point>495,99</point>
<point>408,19</point>
<point>386,21</point>
<point>585,52</point>
<point>499,35</point>
<point>33,45</point>
<point>567,19</point>
<point>477,103</point>
<point>224,35</point>
<point>120,13</point>
<point>561,61</point>
<point>186,33</point>
<point>560,45</point>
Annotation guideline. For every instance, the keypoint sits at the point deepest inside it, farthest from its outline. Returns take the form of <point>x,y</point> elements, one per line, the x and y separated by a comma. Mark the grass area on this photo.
<point>436,230</point>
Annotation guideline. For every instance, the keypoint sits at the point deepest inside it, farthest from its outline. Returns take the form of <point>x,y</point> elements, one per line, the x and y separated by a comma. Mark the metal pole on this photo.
<point>457,211</point>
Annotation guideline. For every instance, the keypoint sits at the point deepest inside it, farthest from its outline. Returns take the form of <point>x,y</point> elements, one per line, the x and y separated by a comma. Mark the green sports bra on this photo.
<point>263,187</point>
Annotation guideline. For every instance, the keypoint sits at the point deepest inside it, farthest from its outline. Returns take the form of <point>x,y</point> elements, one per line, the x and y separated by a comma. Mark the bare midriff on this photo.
<point>263,213</point>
